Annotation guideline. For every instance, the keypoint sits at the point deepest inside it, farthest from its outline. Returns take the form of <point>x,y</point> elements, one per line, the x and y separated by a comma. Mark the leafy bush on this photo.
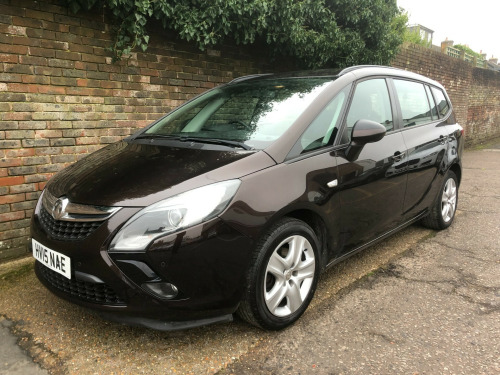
<point>314,33</point>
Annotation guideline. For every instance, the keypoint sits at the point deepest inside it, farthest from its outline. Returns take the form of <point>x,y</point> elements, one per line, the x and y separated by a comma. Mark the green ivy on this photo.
<point>313,33</point>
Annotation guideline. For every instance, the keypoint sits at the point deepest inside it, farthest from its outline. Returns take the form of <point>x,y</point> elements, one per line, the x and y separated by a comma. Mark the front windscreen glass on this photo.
<point>253,113</point>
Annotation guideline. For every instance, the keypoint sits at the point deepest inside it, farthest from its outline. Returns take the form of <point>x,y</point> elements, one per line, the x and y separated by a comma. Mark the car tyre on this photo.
<point>443,210</point>
<point>283,275</point>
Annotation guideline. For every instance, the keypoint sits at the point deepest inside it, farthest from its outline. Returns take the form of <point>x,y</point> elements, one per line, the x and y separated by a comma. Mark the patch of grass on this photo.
<point>483,145</point>
<point>17,273</point>
<point>431,234</point>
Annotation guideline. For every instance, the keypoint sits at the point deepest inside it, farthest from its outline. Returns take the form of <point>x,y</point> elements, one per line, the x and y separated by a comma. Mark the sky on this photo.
<point>474,23</point>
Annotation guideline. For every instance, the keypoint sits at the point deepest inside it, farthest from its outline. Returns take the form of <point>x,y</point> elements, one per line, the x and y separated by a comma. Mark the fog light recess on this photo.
<point>162,290</point>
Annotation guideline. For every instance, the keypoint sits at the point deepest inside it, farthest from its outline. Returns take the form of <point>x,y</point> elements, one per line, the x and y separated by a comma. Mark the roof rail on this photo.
<point>251,76</point>
<point>356,67</point>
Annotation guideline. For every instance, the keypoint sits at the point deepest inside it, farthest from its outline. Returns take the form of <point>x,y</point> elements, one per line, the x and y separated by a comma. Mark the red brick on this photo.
<point>29,22</point>
<point>9,181</point>
<point>40,80</point>
<point>48,133</point>
<point>30,13</point>
<point>8,234</point>
<point>32,60</point>
<point>45,89</point>
<point>4,163</point>
<point>13,11</point>
<point>20,153</point>
<point>48,71</point>
<point>10,216</point>
<point>9,58</point>
<point>21,87</point>
<point>4,199</point>
<point>85,66</point>
<point>55,44</point>
<point>15,49</point>
<point>43,52</point>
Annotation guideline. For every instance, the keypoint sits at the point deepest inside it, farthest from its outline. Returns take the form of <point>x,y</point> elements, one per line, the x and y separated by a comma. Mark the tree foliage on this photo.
<point>314,33</point>
<point>413,36</point>
<point>468,50</point>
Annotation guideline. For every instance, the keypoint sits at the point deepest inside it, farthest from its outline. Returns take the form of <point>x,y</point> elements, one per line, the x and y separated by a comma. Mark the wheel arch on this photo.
<point>319,227</point>
<point>455,168</point>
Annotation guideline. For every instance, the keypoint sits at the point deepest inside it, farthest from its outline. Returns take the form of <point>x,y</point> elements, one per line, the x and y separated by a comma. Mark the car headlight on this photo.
<point>175,213</point>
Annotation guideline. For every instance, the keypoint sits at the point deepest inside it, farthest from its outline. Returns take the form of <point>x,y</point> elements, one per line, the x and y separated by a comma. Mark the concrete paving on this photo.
<point>13,360</point>
<point>435,310</point>
<point>420,302</point>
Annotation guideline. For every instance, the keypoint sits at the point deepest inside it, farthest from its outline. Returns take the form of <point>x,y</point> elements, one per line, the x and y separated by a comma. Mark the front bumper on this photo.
<point>207,263</point>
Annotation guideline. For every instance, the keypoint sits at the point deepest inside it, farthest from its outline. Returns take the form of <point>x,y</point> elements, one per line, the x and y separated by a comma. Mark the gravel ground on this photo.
<point>66,338</point>
<point>433,310</point>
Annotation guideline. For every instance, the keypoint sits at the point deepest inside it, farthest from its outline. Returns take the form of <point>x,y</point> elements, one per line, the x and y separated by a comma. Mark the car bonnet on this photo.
<point>137,175</point>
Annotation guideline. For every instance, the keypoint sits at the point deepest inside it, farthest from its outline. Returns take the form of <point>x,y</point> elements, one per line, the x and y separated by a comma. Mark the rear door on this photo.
<point>372,187</point>
<point>426,138</point>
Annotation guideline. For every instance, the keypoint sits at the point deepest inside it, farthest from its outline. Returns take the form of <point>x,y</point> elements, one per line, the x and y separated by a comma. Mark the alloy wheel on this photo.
<point>449,200</point>
<point>289,276</point>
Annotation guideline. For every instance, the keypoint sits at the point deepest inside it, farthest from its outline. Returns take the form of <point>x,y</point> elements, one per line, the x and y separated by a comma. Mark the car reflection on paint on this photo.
<point>235,202</point>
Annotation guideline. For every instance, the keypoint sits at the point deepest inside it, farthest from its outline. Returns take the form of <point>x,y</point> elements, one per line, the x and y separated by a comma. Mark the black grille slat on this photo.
<point>67,230</point>
<point>99,293</point>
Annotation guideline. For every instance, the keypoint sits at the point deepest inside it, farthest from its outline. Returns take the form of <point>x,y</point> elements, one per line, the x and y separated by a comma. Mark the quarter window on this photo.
<point>370,102</point>
<point>324,127</point>
<point>414,104</point>
<point>434,110</point>
<point>442,104</point>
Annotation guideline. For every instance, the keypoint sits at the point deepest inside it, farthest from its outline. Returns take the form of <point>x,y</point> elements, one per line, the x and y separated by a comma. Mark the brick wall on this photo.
<point>61,97</point>
<point>474,92</point>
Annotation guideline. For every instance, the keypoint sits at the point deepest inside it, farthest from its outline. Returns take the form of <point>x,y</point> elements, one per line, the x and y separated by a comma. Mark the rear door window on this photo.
<point>415,108</point>
<point>442,104</point>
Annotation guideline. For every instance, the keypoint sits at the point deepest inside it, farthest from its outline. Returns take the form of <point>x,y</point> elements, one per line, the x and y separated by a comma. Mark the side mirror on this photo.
<point>363,132</point>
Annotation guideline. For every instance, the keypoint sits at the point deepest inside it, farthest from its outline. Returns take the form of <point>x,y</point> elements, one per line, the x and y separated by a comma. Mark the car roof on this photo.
<point>357,71</point>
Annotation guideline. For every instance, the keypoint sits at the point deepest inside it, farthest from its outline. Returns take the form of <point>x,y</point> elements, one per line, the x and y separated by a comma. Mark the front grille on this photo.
<point>99,293</point>
<point>67,230</point>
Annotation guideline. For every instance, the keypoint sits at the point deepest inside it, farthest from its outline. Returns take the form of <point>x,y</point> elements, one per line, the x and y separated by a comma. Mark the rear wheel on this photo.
<point>443,210</point>
<point>283,276</point>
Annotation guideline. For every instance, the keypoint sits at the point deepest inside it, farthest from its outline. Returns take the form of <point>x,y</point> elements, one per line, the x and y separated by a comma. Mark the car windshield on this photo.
<point>252,114</point>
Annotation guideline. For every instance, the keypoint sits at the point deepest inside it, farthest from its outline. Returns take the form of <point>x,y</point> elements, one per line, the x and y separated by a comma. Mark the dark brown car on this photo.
<point>237,200</point>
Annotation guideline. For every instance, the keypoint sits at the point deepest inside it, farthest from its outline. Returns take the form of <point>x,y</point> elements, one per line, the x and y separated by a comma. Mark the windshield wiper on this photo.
<point>215,141</point>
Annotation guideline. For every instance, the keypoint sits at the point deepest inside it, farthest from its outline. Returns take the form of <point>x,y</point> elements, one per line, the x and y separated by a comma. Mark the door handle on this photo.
<point>442,139</point>
<point>398,156</point>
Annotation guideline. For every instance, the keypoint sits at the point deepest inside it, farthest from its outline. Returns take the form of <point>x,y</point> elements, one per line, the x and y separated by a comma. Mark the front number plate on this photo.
<point>52,259</point>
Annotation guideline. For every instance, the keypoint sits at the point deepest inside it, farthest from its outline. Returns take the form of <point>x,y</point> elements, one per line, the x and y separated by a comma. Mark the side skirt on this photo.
<point>378,239</point>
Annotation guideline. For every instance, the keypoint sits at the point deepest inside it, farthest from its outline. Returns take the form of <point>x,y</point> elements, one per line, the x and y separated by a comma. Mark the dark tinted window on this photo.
<point>414,104</point>
<point>442,104</point>
<point>370,102</point>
